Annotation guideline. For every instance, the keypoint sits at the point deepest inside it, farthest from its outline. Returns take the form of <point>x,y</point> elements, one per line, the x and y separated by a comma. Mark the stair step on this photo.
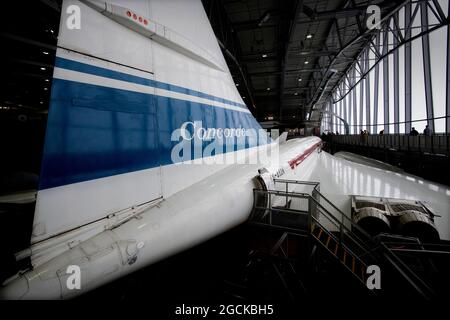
<point>336,249</point>
<point>327,244</point>
<point>363,273</point>
<point>344,257</point>
<point>320,231</point>
<point>356,266</point>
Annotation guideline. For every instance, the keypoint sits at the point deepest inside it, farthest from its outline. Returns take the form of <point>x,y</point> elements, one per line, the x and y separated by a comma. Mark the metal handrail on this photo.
<point>361,244</point>
<point>414,280</point>
<point>350,236</point>
<point>327,214</point>
<point>312,183</point>
<point>365,252</point>
<point>316,184</point>
<point>347,248</point>
<point>417,244</point>
<point>407,273</point>
<point>341,224</point>
<point>436,143</point>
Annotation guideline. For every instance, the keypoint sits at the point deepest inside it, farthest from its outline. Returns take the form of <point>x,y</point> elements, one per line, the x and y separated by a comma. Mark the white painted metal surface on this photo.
<point>205,209</point>
<point>367,161</point>
<point>62,208</point>
<point>340,178</point>
<point>188,203</point>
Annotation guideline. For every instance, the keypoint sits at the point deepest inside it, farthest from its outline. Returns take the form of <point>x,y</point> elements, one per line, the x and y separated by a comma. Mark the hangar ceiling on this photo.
<point>29,42</point>
<point>287,56</point>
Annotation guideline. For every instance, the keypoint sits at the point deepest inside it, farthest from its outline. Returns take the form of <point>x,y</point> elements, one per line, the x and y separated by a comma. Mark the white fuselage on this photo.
<point>111,198</point>
<point>191,216</point>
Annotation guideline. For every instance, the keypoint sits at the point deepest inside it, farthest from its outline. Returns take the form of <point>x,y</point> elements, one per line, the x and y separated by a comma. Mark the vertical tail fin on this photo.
<point>123,82</point>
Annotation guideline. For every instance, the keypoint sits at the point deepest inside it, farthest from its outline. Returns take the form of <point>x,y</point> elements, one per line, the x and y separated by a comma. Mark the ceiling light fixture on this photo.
<point>309,36</point>
<point>264,55</point>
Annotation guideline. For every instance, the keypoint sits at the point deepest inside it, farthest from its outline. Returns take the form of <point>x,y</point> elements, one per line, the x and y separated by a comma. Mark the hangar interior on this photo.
<point>305,67</point>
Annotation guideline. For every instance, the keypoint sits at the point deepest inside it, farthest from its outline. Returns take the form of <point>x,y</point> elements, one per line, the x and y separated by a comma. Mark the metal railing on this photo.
<point>435,144</point>
<point>304,199</point>
<point>320,206</point>
<point>320,213</point>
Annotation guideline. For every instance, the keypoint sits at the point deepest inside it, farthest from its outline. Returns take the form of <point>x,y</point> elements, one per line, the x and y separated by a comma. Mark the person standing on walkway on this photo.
<point>427,131</point>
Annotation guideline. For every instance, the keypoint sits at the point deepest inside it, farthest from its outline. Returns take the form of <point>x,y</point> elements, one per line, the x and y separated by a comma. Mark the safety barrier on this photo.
<point>435,144</point>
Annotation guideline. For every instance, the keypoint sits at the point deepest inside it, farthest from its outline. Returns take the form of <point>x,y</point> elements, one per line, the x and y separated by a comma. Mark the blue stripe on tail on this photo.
<point>103,72</point>
<point>96,132</point>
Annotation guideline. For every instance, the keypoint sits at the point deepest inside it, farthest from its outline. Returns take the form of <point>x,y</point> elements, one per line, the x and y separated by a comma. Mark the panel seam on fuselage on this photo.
<point>87,69</point>
<point>86,78</point>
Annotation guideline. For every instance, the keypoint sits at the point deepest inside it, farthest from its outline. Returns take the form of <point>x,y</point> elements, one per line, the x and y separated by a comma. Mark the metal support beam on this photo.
<point>349,109</point>
<point>386,87</point>
<point>361,94</point>
<point>335,127</point>
<point>367,81</point>
<point>355,107</point>
<point>376,84</point>
<point>330,118</point>
<point>341,114</point>
<point>427,65</point>
<point>52,4</point>
<point>356,42</point>
<point>408,69</point>
<point>346,118</point>
<point>391,97</point>
<point>28,41</point>
<point>244,78</point>
<point>343,125</point>
<point>396,82</point>
<point>292,31</point>
<point>230,44</point>
<point>381,57</point>
<point>447,101</point>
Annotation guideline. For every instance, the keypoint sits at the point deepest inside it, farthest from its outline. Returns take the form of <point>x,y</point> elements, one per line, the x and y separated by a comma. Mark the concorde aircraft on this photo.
<point>144,118</point>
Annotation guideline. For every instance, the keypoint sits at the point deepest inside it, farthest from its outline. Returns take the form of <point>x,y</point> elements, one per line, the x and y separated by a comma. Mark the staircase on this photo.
<point>297,207</point>
<point>348,259</point>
